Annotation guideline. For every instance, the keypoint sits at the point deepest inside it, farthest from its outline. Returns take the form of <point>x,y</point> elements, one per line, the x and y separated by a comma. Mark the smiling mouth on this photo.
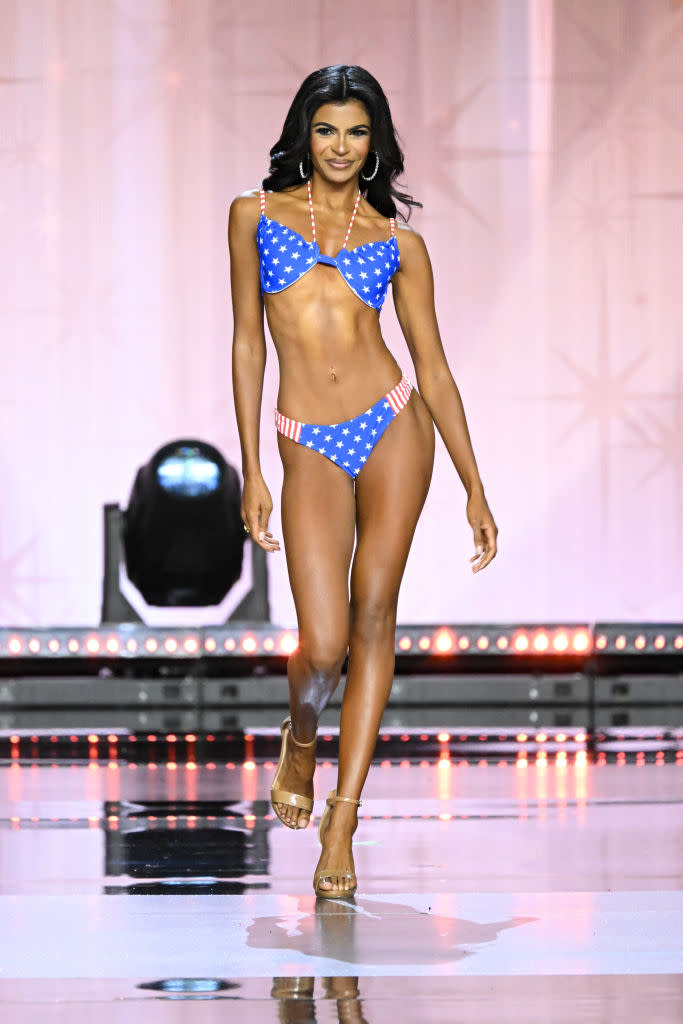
<point>340,163</point>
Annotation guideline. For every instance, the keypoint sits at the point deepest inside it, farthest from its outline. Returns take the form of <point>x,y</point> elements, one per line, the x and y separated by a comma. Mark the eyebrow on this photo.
<point>326,124</point>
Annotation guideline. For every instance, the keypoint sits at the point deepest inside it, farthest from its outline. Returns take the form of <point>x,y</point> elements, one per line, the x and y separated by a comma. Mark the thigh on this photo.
<point>318,528</point>
<point>390,493</point>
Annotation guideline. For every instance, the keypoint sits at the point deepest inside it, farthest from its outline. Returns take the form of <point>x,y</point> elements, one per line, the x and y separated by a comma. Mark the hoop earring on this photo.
<point>305,174</point>
<point>369,177</point>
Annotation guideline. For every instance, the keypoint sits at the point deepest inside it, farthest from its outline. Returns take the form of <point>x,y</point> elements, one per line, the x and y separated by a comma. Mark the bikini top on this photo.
<point>285,257</point>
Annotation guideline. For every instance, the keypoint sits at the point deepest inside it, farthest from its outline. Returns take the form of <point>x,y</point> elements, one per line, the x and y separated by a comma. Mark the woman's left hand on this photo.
<point>484,529</point>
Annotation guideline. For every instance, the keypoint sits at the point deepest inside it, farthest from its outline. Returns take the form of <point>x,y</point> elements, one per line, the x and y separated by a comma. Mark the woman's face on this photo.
<point>340,140</point>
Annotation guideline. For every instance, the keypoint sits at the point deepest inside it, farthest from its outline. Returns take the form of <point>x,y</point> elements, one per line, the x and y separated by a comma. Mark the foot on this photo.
<point>296,777</point>
<point>337,851</point>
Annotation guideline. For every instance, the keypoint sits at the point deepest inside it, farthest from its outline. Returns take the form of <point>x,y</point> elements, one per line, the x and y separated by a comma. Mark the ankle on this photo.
<point>343,820</point>
<point>303,734</point>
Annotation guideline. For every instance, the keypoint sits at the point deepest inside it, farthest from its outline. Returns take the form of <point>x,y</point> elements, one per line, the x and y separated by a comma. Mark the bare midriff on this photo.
<point>333,360</point>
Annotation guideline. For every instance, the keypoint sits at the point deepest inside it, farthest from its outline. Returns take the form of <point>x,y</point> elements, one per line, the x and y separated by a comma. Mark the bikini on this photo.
<point>285,257</point>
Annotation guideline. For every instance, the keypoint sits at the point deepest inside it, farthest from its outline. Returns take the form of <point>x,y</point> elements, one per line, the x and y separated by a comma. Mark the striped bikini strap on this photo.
<point>263,200</point>
<point>392,225</point>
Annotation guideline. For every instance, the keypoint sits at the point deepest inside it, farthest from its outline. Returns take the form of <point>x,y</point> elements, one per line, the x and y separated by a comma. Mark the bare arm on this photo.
<point>248,364</point>
<point>413,289</point>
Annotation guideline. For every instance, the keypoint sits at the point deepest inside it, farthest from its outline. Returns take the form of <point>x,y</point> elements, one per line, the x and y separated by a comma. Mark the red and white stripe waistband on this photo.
<point>290,428</point>
<point>397,399</point>
<point>398,396</point>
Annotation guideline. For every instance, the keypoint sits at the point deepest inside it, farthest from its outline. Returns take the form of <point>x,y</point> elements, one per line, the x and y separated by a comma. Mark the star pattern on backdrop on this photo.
<point>597,216</point>
<point>19,588</point>
<point>437,138</point>
<point>606,396</point>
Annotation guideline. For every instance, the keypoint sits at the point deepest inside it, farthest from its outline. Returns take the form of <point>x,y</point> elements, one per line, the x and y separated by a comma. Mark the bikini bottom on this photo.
<point>350,443</point>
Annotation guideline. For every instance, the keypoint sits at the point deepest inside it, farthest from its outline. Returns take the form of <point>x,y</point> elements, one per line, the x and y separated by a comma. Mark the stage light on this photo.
<point>443,641</point>
<point>423,643</point>
<point>640,642</point>
<point>521,642</point>
<point>183,538</point>
<point>405,643</point>
<point>463,643</point>
<point>581,641</point>
<point>34,645</point>
<point>660,642</point>
<point>541,642</point>
<point>561,641</point>
<point>483,643</point>
<point>288,643</point>
<point>249,644</point>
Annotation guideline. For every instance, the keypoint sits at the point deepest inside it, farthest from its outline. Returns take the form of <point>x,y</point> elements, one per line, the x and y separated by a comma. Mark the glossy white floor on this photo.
<point>488,892</point>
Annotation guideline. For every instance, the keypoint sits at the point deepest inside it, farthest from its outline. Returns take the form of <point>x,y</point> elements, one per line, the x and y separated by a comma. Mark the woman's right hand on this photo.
<point>257,505</point>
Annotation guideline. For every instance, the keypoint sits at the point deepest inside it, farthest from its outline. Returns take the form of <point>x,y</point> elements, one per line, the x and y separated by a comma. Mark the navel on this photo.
<point>333,375</point>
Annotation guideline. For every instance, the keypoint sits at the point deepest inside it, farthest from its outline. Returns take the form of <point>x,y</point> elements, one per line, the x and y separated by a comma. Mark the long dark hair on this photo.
<point>337,84</point>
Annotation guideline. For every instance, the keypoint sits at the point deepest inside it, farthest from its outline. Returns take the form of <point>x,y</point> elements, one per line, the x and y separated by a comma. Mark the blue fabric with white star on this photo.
<point>350,443</point>
<point>285,257</point>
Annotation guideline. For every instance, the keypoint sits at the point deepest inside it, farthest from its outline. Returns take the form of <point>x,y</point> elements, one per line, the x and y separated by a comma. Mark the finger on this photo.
<point>488,556</point>
<point>264,516</point>
<point>266,541</point>
<point>479,540</point>
<point>268,546</point>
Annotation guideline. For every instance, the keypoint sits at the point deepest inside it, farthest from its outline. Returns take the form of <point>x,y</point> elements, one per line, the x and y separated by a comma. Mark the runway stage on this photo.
<point>490,890</point>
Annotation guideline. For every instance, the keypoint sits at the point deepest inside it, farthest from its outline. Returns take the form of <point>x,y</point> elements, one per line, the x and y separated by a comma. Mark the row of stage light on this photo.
<point>394,746</point>
<point>138,641</point>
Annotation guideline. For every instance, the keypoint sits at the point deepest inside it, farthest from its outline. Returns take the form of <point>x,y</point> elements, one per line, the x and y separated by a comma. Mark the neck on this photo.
<point>329,193</point>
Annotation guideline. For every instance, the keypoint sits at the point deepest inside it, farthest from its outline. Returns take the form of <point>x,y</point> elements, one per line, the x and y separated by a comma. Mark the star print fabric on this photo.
<point>285,257</point>
<point>348,444</point>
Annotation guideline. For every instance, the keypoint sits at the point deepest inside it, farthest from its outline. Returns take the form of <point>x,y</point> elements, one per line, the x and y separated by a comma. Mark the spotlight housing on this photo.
<point>183,539</point>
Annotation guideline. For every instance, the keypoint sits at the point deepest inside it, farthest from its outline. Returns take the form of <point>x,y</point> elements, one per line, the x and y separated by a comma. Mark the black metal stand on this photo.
<point>254,606</point>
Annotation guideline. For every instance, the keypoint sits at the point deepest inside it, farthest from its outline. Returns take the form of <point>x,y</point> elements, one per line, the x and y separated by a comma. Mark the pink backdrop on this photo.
<point>545,140</point>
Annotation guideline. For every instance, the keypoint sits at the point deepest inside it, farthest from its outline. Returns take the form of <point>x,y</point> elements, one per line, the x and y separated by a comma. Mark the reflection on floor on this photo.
<point>502,890</point>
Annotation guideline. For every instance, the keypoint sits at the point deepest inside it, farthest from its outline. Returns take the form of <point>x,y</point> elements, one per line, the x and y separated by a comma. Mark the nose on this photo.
<point>341,146</point>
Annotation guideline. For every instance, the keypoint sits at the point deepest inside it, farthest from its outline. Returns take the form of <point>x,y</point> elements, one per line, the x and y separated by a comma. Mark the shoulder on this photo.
<point>411,243</point>
<point>245,207</point>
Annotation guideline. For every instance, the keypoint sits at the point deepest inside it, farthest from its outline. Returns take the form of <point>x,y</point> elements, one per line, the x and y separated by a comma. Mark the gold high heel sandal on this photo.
<point>283,796</point>
<point>333,894</point>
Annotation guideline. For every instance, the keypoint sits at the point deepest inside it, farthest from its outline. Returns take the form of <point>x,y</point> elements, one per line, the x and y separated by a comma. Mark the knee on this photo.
<point>324,656</point>
<point>373,621</point>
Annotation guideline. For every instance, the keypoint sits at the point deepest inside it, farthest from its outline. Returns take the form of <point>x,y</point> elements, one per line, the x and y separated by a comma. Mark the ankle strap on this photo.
<point>334,799</point>
<point>297,742</point>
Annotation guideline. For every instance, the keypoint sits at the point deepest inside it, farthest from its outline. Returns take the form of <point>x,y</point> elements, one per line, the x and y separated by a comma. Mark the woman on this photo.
<point>355,438</point>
